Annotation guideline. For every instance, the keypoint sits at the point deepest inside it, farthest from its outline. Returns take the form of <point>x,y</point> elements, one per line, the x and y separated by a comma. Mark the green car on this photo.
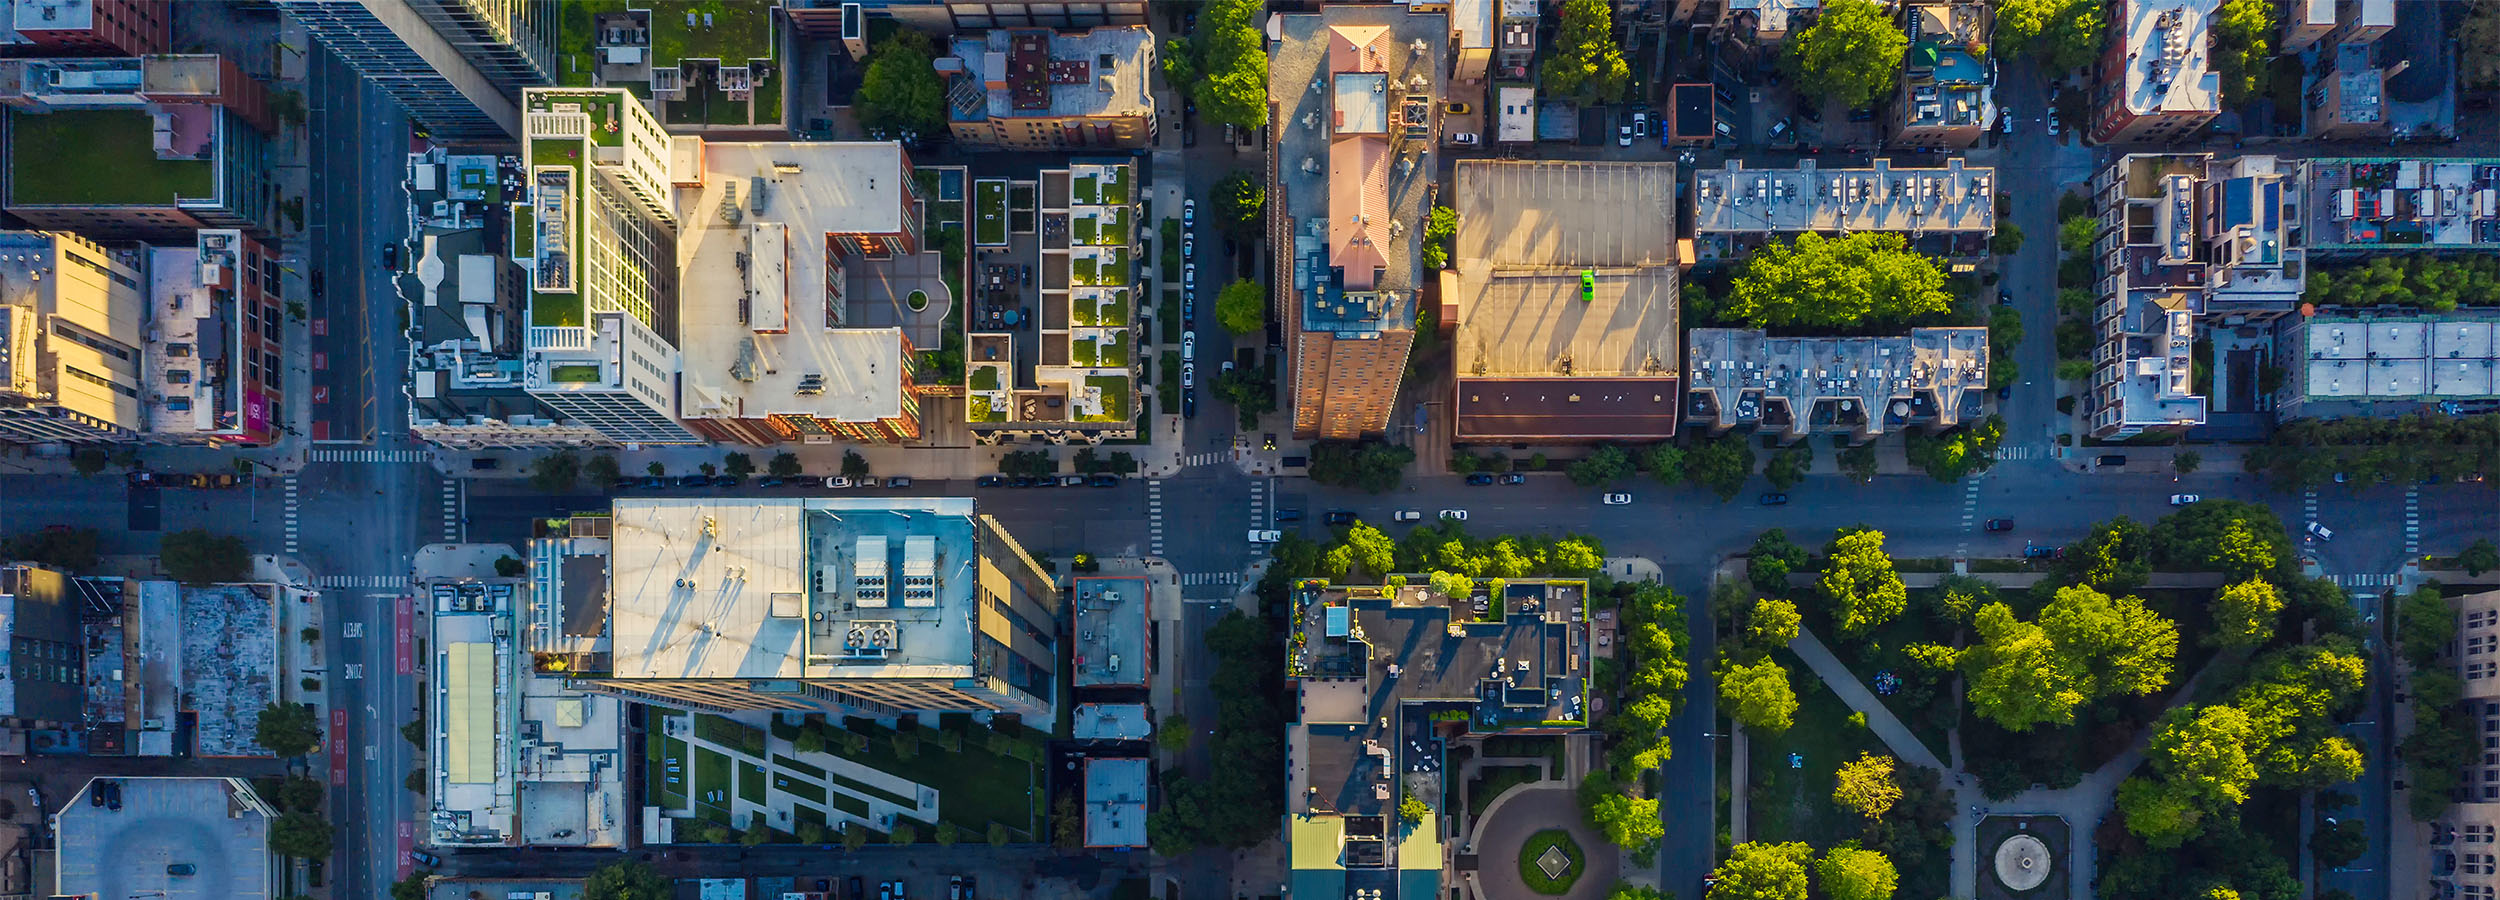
<point>1588,285</point>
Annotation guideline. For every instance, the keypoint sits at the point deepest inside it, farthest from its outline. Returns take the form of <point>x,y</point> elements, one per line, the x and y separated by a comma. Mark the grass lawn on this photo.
<point>1796,804</point>
<point>989,219</point>
<point>768,89</point>
<point>797,788</point>
<point>1491,781</point>
<point>737,32</point>
<point>665,756</point>
<point>712,778</point>
<point>730,733</point>
<point>1171,315</point>
<point>1115,186</point>
<point>975,786</point>
<point>54,159</point>
<point>1929,714</point>
<point>1115,351</point>
<point>751,786</point>
<point>1535,875</point>
<point>1117,397</point>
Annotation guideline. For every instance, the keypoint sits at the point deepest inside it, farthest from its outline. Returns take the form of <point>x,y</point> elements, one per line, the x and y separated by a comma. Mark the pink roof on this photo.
<point>1358,207</point>
<point>1358,48</point>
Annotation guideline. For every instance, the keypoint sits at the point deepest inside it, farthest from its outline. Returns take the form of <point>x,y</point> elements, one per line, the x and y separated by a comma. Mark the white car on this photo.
<point>838,481</point>
<point>1408,515</point>
<point>2320,532</point>
<point>1189,213</point>
<point>1189,275</point>
<point>1189,346</point>
<point>1189,244</point>
<point>2052,121</point>
<point>1623,136</point>
<point>1640,124</point>
<point>1265,536</point>
<point>1455,515</point>
<point>1618,499</point>
<point>1189,376</point>
<point>2005,116</point>
<point>2183,499</point>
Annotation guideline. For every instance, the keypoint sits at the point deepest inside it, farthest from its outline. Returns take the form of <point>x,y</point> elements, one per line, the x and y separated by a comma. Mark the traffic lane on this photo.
<point>104,503</point>
<point>1046,521</point>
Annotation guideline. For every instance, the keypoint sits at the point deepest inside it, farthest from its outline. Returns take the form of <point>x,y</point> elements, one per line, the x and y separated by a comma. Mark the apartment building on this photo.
<point>73,327</point>
<point>1945,100</point>
<point>702,67</point>
<point>215,342</point>
<point>872,605</point>
<point>823,18</point>
<point>47,671</point>
<point>138,149</point>
<point>87,28</point>
<point>1073,376</point>
<point>795,324</point>
<point>1378,719</point>
<point>1349,168</point>
<point>1563,293</point>
<point>1858,387</point>
<point>2463,858</point>
<point>457,66</point>
<point>2399,363</point>
<point>1036,89</point>
<point>521,758</point>
<point>598,236</point>
<point>2156,84</point>
<point>2185,241</point>
<point>1947,212</point>
<point>2360,207</point>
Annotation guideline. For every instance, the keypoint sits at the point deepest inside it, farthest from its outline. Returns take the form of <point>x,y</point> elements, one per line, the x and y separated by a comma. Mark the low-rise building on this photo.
<point>1115,802</point>
<point>174,838</point>
<point>2156,83</point>
<point>1036,89</point>
<point>875,605</point>
<point>1945,100</point>
<point>2184,241</point>
<point>1563,294</point>
<point>73,331</point>
<point>47,671</point>
<point>2349,104</point>
<point>1071,377</point>
<point>1862,387</point>
<point>215,348</point>
<point>521,758</point>
<point>2388,363</point>
<point>1948,212</point>
<point>138,149</point>
<point>1111,630</point>
<point>1515,50</point>
<point>2375,206</point>
<point>2463,856</point>
<point>1378,718</point>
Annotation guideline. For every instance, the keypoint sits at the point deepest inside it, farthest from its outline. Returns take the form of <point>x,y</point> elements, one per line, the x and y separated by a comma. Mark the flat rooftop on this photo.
<point>2168,71</point>
<point>1115,802</point>
<point>1111,722</point>
<point>1110,631</point>
<point>230,663</point>
<point>1101,71</point>
<point>215,825</point>
<point>1869,385</point>
<point>2394,205</point>
<point>718,588</point>
<point>1738,200</point>
<point>108,157</point>
<point>2441,357</point>
<point>1309,164</point>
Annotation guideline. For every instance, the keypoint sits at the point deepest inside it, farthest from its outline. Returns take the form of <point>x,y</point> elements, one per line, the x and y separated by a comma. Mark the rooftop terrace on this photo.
<point>1865,385</point>
<point>1811,198</point>
<point>2402,204</point>
<point>111,157</point>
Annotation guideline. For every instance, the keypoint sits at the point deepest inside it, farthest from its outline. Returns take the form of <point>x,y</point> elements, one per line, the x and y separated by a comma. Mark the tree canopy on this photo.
<point>2439,283</point>
<point>1859,580</point>
<point>1370,465</point>
<point>900,92</point>
<point>1720,464</point>
<point>2244,614</point>
<point>2243,34</point>
<point>1242,307</point>
<point>2062,35</point>
<point>1852,52</point>
<point>1585,61</point>
<point>1626,821</point>
<point>1866,784</point>
<point>1771,623</point>
<point>629,880</point>
<point>1440,228</point>
<point>287,729</point>
<point>1849,873</point>
<point>1863,279</point>
<point>196,556</point>
<point>1232,62</point>
<point>1757,695</point>
<point>1239,201</point>
<point>1763,871</point>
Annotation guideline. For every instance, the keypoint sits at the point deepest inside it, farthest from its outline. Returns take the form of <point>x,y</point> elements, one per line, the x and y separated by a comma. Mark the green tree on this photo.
<point>856,466</point>
<point>287,729</point>
<point>1239,202</point>
<point>946,834</point>
<point>1860,582</point>
<point>904,832</point>
<point>656,469</point>
<point>1758,697</point>
<point>88,461</point>
<point>809,832</point>
<point>2243,48</point>
<point>1955,454</point>
<point>1859,463</point>
<point>2479,70</point>
<point>783,465</point>
<point>1173,734</point>
<point>1232,62</point>
<point>2115,644</point>
<point>1242,308</point>
<point>2340,843</point>
<point>1412,810</point>
<point>1958,596</point>
<point>1849,873</point>
<point>2186,462</point>
<point>1627,822</point>
<point>756,834</point>
<point>2479,557</point>
<point>195,556</point>
<point>1180,63</point>
<point>1789,465</point>
<point>1370,465</point>
<point>1585,61</point>
<point>998,836</point>
<point>738,465</point>
<point>2007,241</point>
<point>2062,35</point>
<point>71,549</point>
<point>900,93</point>
<point>509,567</point>
<point>1862,279</point>
<point>2076,234</point>
<point>411,887</point>
<point>1866,784</point>
<point>1440,228</point>
<point>1772,558</point>
<point>1852,52</point>
<point>2204,752</point>
<point>1665,462</point>
<point>2163,817</point>
<point>300,835</point>
<point>1763,871</point>
<point>1372,549</point>
<point>601,469</point>
<point>854,837</point>
<point>1771,623</point>
<point>2425,625</point>
<point>1607,463</point>
<point>2244,614</point>
<point>628,880</point>
<point>2015,675</point>
<point>1720,464</point>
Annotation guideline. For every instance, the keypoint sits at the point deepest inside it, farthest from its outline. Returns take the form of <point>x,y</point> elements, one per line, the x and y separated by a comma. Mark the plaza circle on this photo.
<point>2022,862</point>
<point>1519,814</point>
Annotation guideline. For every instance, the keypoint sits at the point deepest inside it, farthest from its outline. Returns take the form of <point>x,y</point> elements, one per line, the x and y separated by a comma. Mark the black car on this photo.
<point>1021,481</point>
<point>858,890</point>
<point>1288,515</point>
<point>2110,460</point>
<point>2000,524</point>
<point>1105,481</point>
<point>768,481</point>
<point>983,481</point>
<point>1189,404</point>
<point>390,256</point>
<point>694,481</point>
<point>1340,517</point>
<point>1480,478</point>
<point>1774,498</point>
<point>482,463</point>
<point>1514,478</point>
<point>654,482</point>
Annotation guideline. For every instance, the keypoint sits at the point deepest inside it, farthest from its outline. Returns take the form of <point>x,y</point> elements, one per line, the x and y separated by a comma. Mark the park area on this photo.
<point>723,778</point>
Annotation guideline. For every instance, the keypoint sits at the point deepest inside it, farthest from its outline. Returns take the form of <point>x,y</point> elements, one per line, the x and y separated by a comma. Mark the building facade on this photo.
<point>1858,387</point>
<point>457,66</point>
<point>1945,100</point>
<point>215,348</point>
<point>87,28</point>
<point>184,139</point>
<point>2464,844</point>
<point>2156,85</point>
<point>73,330</point>
<point>1035,89</point>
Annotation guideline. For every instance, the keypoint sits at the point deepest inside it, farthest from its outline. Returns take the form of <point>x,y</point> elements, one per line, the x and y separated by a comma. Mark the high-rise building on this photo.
<point>2462,858</point>
<point>138,149</point>
<point>1036,89</point>
<point>2156,82</point>
<point>1349,172</point>
<point>2185,241</point>
<point>73,322</point>
<point>457,66</point>
<point>47,662</point>
<point>86,27</point>
<point>598,236</point>
<point>874,605</point>
<point>520,757</point>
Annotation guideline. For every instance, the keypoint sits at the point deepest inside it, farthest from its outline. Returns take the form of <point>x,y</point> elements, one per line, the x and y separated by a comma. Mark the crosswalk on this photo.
<point>2015,452</point>
<point>361,581</point>
<point>1154,517</point>
<point>451,511</point>
<point>1258,505</point>
<point>291,520</point>
<point>2358,581</point>
<point>1193,579</point>
<point>2413,522</point>
<point>2308,516</point>
<point>1206,459</point>
<point>1970,515</point>
<point>369,456</point>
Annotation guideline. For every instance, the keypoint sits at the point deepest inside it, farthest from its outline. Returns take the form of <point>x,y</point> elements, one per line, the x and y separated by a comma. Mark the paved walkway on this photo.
<point>1522,812</point>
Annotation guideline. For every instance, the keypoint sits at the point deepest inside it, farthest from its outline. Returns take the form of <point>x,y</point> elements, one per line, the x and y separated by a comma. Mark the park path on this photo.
<point>1878,716</point>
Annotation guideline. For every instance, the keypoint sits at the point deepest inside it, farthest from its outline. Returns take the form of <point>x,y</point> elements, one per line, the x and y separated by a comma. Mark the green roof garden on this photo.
<point>1115,186</point>
<point>1084,190</point>
<point>101,157</point>
<point>1118,397</point>
<point>556,311</point>
<point>735,33</point>
<point>1111,310</point>
<point>585,373</point>
<point>604,107</point>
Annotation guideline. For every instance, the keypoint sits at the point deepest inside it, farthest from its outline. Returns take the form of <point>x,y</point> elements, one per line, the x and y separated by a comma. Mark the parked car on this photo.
<point>2000,525</point>
<point>2320,532</point>
<point>653,482</point>
<point>1189,375</point>
<point>483,463</point>
<point>898,481</point>
<point>990,481</point>
<point>727,481</point>
<point>2005,297</point>
<point>1463,138</point>
<point>1514,478</point>
<point>1781,129</point>
<point>1189,307</point>
<point>2183,499</point>
<point>425,859</point>
<point>1189,275</point>
<point>2036,551</point>
<point>955,888</point>
<point>1773,498</point>
<point>1189,245</point>
<point>390,256</point>
<point>1339,517</point>
<point>838,481</point>
<point>2052,121</point>
<point>1618,499</point>
<point>1408,515</point>
<point>1455,515</point>
<point>1021,481</point>
<point>186,870</point>
<point>1071,481</point>
<point>694,481</point>
<point>1189,404</point>
<point>1189,213</point>
<point>1265,535</point>
<point>769,481</point>
<point>1189,346</point>
<point>1105,480</point>
<point>2110,459</point>
<point>1288,515</point>
<point>623,483</point>
<point>1480,478</point>
<point>1623,135</point>
<point>2005,117</point>
<point>1640,124</point>
<point>858,889</point>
